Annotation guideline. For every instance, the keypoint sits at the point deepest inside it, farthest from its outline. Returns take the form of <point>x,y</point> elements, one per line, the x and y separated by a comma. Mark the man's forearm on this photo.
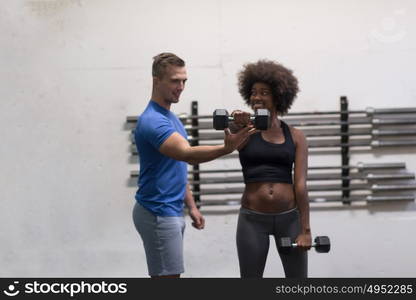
<point>189,198</point>
<point>200,154</point>
<point>178,148</point>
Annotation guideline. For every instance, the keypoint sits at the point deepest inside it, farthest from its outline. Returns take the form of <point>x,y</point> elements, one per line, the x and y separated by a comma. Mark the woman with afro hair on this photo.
<point>274,202</point>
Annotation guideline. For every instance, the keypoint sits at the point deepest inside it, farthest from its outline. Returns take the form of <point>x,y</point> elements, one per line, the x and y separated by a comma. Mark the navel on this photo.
<point>271,189</point>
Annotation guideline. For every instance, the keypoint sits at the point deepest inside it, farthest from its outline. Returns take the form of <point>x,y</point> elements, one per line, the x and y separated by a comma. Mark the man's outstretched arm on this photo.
<point>177,147</point>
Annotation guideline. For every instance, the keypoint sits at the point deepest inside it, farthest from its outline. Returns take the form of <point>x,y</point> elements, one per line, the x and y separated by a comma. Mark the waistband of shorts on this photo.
<point>254,212</point>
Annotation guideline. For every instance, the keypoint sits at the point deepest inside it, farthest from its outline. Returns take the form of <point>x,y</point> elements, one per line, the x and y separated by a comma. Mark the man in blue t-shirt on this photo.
<point>161,141</point>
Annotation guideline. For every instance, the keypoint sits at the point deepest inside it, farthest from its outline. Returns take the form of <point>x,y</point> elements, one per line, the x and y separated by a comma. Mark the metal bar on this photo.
<point>359,167</point>
<point>370,111</point>
<point>396,143</point>
<point>361,187</point>
<point>316,187</point>
<point>219,135</point>
<point>316,150</point>
<point>335,122</point>
<point>319,177</point>
<point>399,176</point>
<point>314,177</point>
<point>363,166</point>
<point>354,121</point>
<point>389,198</point>
<point>361,121</point>
<point>378,166</point>
<point>331,143</point>
<point>377,132</point>
<point>336,143</point>
<point>392,187</point>
<point>337,187</point>
<point>310,134</point>
<point>360,143</point>
<point>385,111</point>
<point>323,112</point>
<point>368,198</point>
<point>403,121</point>
<point>352,143</point>
<point>323,199</point>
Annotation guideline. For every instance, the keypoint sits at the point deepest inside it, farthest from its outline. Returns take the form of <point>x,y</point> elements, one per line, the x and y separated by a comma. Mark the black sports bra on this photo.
<point>263,161</point>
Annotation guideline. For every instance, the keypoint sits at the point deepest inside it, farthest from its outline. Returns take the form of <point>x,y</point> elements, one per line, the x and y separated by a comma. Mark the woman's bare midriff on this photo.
<point>268,197</point>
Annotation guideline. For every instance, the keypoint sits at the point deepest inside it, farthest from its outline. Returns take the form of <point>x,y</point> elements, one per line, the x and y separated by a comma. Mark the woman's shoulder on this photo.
<point>297,134</point>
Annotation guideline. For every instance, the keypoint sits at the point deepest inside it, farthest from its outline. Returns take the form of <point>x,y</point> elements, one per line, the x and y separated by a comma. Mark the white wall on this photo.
<point>72,70</point>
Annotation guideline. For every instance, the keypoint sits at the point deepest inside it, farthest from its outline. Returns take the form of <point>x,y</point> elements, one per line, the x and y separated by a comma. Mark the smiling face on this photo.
<point>261,97</point>
<point>170,86</point>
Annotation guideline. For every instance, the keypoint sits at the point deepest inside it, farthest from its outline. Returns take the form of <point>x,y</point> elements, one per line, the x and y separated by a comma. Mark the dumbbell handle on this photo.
<point>294,245</point>
<point>231,118</point>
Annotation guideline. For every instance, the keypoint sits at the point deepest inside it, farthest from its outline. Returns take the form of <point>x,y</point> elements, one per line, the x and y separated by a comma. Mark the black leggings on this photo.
<point>253,232</point>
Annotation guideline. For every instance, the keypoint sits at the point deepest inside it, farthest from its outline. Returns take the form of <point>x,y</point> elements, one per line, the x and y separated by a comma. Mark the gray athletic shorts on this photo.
<point>162,239</point>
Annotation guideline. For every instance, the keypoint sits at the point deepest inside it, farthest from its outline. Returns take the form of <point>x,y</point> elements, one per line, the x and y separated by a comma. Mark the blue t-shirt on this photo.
<point>162,180</point>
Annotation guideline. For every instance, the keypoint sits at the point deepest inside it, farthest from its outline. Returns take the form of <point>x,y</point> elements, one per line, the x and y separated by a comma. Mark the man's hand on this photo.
<point>233,140</point>
<point>197,218</point>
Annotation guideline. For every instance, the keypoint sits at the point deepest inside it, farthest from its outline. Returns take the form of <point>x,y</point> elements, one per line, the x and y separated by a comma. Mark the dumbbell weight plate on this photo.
<point>220,119</point>
<point>284,245</point>
<point>322,244</point>
<point>262,119</point>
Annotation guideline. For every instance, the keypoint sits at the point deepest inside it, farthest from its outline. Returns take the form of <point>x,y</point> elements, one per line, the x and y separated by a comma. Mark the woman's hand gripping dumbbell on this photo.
<point>321,244</point>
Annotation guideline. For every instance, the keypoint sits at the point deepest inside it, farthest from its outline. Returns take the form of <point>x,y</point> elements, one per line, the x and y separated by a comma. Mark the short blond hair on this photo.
<point>162,61</point>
